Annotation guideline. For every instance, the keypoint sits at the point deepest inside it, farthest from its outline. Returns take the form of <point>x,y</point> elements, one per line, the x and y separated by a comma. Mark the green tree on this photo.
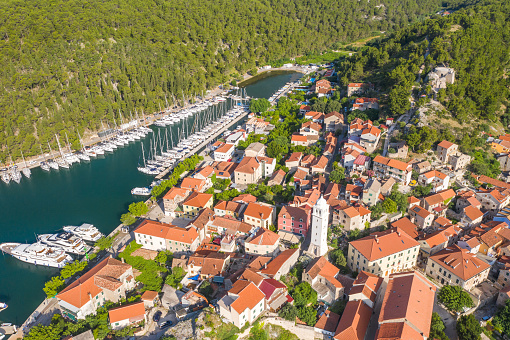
<point>308,315</point>
<point>259,105</point>
<point>72,268</point>
<point>104,242</point>
<point>337,175</point>
<point>175,277</point>
<point>54,286</point>
<point>138,209</point>
<point>468,328</point>
<point>454,298</point>
<point>39,332</point>
<point>278,147</point>
<point>338,258</point>
<point>390,206</point>
<point>502,318</point>
<point>307,292</point>
<point>437,328</point>
<point>161,258</point>
<point>127,219</point>
<point>288,312</point>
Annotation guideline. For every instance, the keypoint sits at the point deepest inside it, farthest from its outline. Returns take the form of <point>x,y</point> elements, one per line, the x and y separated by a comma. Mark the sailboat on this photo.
<point>26,170</point>
<point>43,163</point>
<point>52,163</point>
<point>6,178</point>
<point>83,155</point>
<point>15,174</point>
<point>64,163</point>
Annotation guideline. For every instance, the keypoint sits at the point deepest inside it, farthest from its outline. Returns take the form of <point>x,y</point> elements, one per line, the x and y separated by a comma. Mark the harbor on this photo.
<point>96,192</point>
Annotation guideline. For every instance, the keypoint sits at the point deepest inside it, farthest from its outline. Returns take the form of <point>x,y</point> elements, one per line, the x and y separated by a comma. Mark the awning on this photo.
<point>218,279</point>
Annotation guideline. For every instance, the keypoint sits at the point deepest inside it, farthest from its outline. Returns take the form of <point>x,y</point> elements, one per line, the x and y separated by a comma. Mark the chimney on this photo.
<point>398,233</point>
<point>122,259</point>
<point>376,239</point>
<point>265,265</point>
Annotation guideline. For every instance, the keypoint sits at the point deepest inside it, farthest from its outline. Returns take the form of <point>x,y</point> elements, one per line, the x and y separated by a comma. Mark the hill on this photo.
<point>71,66</point>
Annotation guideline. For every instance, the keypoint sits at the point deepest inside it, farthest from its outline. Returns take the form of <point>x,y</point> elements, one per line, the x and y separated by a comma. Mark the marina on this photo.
<point>96,192</point>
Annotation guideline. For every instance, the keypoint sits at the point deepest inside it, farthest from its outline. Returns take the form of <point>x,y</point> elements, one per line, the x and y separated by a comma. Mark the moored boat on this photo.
<point>86,231</point>
<point>37,253</point>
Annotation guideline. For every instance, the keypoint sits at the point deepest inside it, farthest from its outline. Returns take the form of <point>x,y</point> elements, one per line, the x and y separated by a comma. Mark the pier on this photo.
<point>284,93</point>
<point>204,143</point>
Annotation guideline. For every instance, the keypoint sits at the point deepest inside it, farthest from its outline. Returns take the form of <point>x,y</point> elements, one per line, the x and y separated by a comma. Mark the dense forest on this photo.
<point>475,41</point>
<point>74,66</point>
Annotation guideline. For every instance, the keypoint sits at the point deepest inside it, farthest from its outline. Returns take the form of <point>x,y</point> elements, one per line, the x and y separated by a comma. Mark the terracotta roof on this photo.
<point>232,224</point>
<point>472,213</point>
<point>436,238</point>
<point>174,192</point>
<point>442,221</point>
<point>409,296</point>
<point>367,284</point>
<point>149,295</point>
<point>274,266</point>
<point>131,311</point>
<point>423,213</point>
<point>295,157</point>
<point>311,125</point>
<point>440,197</point>
<point>412,199</point>
<point>354,322</point>
<point>258,211</point>
<point>226,148</point>
<point>371,131</point>
<point>296,212</point>
<point>298,138</point>
<point>366,100</point>
<point>229,206</point>
<point>434,173</point>
<point>198,199</point>
<point>381,244</point>
<point>321,266</point>
<point>446,144</point>
<point>321,163</point>
<point>264,237</point>
<point>203,217</point>
<point>206,171</point>
<point>278,176</point>
<point>407,226</point>
<point>248,165</point>
<point>397,330</point>
<point>77,293</point>
<point>328,321</point>
<point>268,286</point>
<point>460,262</point>
<point>300,174</point>
<point>249,296</point>
<point>258,262</point>
<point>392,163</point>
<point>495,182</point>
<point>193,183</point>
<point>308,159</point>
<point>361,160</point>
<point>245,198</point>
<point>167,231</point>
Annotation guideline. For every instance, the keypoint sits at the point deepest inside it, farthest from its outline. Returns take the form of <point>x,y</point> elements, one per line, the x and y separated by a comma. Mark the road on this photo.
<point>448,320</point>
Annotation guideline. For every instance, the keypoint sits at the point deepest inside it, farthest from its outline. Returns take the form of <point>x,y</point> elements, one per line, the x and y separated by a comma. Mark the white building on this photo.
<point>320,218</point>
<point>224,153</point>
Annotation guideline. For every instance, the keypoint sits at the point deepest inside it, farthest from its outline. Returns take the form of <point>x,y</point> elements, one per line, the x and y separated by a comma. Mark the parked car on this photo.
<point>165,324</point>
<point>157,316</point>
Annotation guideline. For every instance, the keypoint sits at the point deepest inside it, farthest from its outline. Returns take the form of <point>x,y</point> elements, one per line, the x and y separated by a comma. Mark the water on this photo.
<point>96,192</point>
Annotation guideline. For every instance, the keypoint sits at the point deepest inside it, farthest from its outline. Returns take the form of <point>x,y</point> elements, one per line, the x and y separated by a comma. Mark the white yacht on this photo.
<point>64,240</point>
<point>52,164</point>
<point>37,253</point>
<point>141,191</point>
<point>6,177</point>
<point>86,231</point>
<point>16,175</point>
<point>3,306</point>
<point>45,166</point>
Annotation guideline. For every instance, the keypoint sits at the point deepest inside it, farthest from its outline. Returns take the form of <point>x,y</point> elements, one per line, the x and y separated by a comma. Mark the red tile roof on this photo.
<point>248,165</point>
<point>274,266</point>
<point>198,199</point>
<point>258,211</point>
<point>167,231</point>
<point>472,212</point>
<point>446,144</point>
<point>381,244</point>
<point>249,296</point>
<point>328,321</point>
<point>265,237</point>
<point>460,262</point>
<point>132,311</point>
<point>407,226</point>
<point>354,322</point>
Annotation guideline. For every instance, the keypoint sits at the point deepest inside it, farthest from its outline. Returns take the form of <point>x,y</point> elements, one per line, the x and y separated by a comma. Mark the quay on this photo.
<point>204,143</point>
<point>284,92</point>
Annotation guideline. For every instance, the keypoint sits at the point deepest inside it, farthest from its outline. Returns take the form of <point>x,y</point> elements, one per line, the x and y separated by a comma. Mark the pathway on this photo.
<point>304,332</point>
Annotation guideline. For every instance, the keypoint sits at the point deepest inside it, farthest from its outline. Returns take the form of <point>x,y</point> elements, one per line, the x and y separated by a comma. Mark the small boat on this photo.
<point>6,177</point>
<point>86,231</point>
<point>141,191</point>
<point>44,166</point>
<point>67,241</point>
<point>16,175</point>
<point>3,306</point>
<point>37,253</point>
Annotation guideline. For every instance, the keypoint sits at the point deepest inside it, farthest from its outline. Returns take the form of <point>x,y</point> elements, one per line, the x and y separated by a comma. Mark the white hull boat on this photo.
<point>37,253</point>
<point>69,242</point>
<point>86,232</point>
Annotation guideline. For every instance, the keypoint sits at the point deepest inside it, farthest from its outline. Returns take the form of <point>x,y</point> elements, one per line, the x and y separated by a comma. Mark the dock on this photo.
<point>204,143</point>
<point>284,93</point>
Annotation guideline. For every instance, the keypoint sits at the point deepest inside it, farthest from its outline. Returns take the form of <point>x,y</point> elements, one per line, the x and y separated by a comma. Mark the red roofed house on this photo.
<point>252,169</point>
<point>493,199</point>
<point>295,219</point>
<point>358,88</point>
<point>370,138</point>
<point>224,153</point>
<point>276,294</point>
<point>349,157</point>
<point>363,104</point>
<point>472,216</point>
<point>281,264</point>
<point>150,298</point>
<point>109,280</point>
<point>407,227</point>
<point>230,208</point>
<point>159,236</point>
<point>334,121</point>
<point>445,149</point>
<point>456,266</point>
<point>243,303</point>
<point>208,266</point>
<point>298,140</point>
<point>314,116</point>
<point>352,217</point>
<point>327,323</point>
<point>259,215</point>
<point>257,125</point>
<point>361,163</point>
<point>386,167</point>
<point>195,184</point>
<point>325,278</point>
<point>320,165</point>
<point>406,310</point>
<point>439,180</point>
<point>383,253</point>
<point>195,203</point>
<point>421,217</point>
<point>310,128</point>
<point>264,242</point>
<point>127,315</point>
<point>173,198</point>
<point>438,202</point>
<point>292,162</point>
<point>303,109</point>
<point>322,84</point>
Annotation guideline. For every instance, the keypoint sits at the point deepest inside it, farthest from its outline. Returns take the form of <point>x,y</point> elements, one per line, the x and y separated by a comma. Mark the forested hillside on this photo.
<point>70,66</point>
<point>474,41</point>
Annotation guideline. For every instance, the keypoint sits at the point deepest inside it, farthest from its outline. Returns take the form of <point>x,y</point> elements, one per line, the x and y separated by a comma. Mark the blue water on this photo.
<point>96,192</point>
